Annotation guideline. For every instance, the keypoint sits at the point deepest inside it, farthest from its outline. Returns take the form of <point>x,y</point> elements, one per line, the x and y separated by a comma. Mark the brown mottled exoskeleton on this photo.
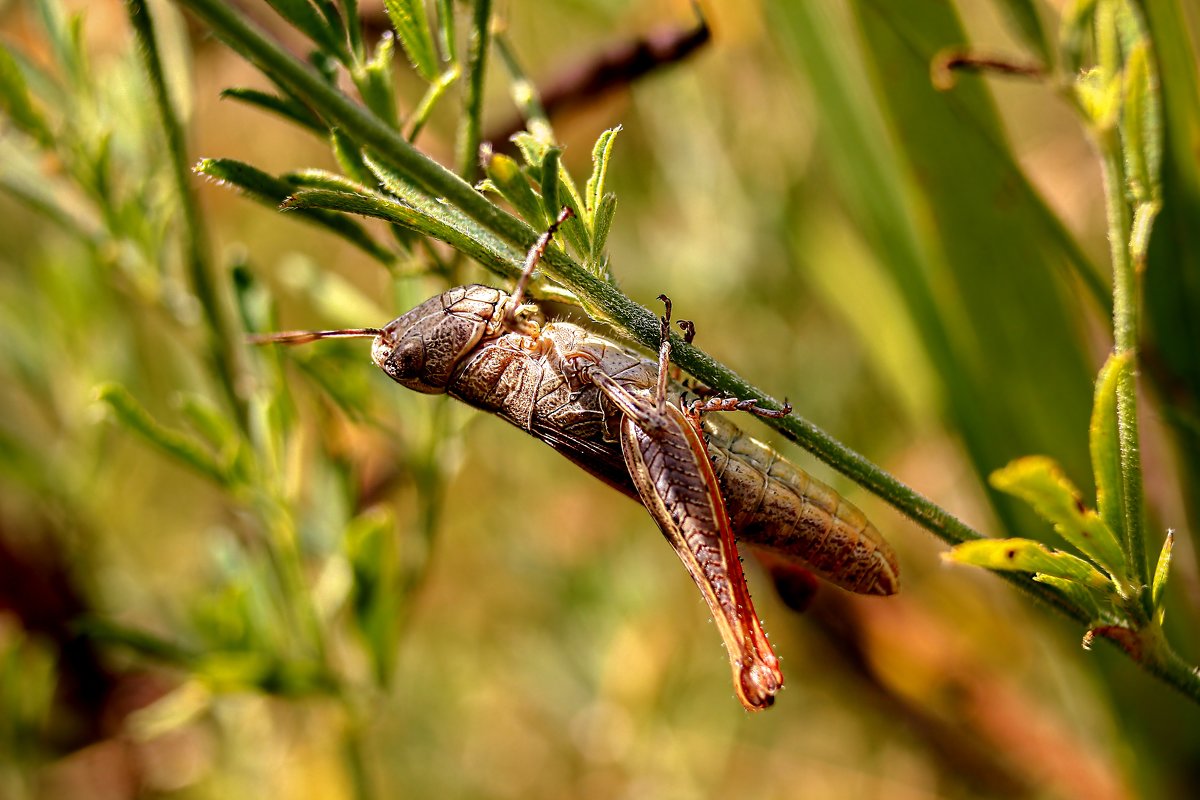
<point>606,408</point>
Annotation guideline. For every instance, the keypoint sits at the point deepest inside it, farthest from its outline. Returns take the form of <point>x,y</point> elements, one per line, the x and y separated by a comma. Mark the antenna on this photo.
<point>304,337</point>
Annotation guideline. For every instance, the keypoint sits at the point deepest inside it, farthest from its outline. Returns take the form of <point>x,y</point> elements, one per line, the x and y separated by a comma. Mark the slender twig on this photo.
<point>950,61</point>
<point>582,83</point>
<point>223,333</point>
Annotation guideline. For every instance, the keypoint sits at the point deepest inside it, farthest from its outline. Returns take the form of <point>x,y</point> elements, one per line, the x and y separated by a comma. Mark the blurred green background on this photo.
<point>398,596</point>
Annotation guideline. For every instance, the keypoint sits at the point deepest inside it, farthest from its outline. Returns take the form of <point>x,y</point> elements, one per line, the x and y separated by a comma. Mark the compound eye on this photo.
<point>408,359</point>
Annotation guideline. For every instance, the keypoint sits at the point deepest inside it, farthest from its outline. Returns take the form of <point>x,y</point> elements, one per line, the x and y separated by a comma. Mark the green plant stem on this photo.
<point>223,334</point>
<point>1173,670</point>
<point>1125,339</point>
<point>472,119</point>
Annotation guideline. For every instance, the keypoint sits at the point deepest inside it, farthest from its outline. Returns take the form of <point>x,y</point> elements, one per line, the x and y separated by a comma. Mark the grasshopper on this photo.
<point>606,408</point>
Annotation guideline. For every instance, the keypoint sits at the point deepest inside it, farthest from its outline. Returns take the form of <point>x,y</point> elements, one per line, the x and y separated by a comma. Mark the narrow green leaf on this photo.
<point>548,176</point>
<point>206,418</point>
<point>1026,555</point>
<point>1141,125</point>
<point>555,182</point>
<point>1131,33</point>
<point>533,149</point>
<point>435,92</point>
<point>65,37</point>
<point>374,81</point>
<point>1074,31</point>
<point>428,220</point>
<point>349,156</point>
<point>80,63</point>
<point>139,641</point>
<point>442,213</point>
<point>309,21</point>
<point>322,179</point>
<point>333,18</point>
<point>256,307</point>
<point>221,434</point>
<point>412,27</point>
<point>180,446</point>
<point>283,106</point>
<point>1107,40</point>
<point>248,178</point>
<point>513,185</point>
<point>601,153</point>
<point>1103,443</point>
<point>598,263</point>
<point>1161,570</point>
<point>577,232</point>
<point>17,102</point>
<point>470,121</point>
<point>266,419</point>
<point>1025,20</point>
<point>354,27</point>
<point>96,175</point>
<point>1038,481</point>
<point>273,191</point>
<point>445,26</point>
<point>1090,601</point>
<point>1141,131</point>
<point>328,67</point>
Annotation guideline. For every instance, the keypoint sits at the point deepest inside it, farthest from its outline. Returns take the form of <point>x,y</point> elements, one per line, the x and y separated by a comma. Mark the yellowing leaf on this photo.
<point>1026,555</point>
<point>1159,586</point>
<point>1038,481</point>
<point>1102,440</point>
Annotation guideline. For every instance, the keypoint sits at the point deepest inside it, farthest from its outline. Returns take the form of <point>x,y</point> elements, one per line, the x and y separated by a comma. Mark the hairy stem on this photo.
<point>1173,670</point>
<point>1125,339</point>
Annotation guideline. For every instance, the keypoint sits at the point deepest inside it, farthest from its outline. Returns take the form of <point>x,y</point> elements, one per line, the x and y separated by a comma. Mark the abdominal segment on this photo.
<point>776,506</point>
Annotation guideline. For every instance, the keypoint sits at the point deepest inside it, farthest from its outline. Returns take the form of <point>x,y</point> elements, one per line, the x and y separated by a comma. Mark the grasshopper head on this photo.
<point>421,349</point>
